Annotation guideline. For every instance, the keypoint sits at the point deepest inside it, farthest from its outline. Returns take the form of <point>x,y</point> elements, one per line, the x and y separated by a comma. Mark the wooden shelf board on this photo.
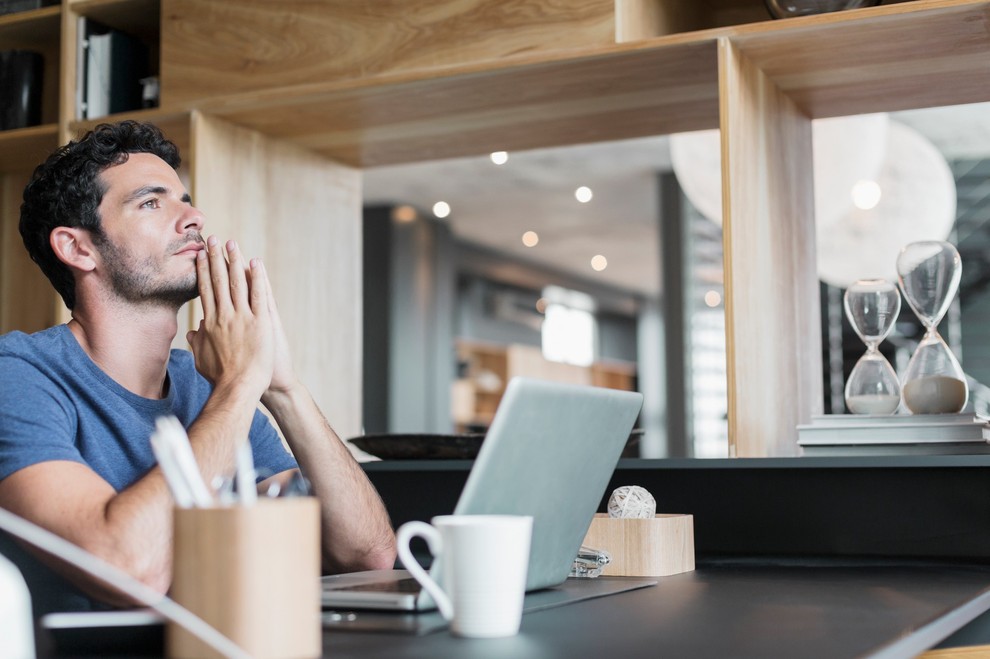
<point>140,18</point>
<point>614,93</point>
<point>30,26</point>
<point>905,56</point>
<point>174,123</point>
<point>22,149</point>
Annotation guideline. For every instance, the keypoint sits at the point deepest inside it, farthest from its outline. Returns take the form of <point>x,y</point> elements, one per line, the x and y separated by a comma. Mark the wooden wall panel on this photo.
<point>773,330</point>
<point>213,47</point>
<point>27,299</point>
<point>300,213</point>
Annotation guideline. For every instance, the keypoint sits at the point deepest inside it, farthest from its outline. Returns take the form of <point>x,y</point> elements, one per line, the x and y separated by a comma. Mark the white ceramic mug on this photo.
<point>483,564</point>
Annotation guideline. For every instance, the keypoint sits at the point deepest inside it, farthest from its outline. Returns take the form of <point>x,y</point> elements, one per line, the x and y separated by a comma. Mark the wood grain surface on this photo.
<point>212,47</point>
<point>27,299</point>
<point>252,572</point>
<point>772,316</point>
<point>656,547</point>
<point>302,215</point>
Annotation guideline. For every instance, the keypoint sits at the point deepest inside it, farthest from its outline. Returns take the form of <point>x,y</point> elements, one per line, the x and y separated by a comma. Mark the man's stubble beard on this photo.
<point>135,281</point>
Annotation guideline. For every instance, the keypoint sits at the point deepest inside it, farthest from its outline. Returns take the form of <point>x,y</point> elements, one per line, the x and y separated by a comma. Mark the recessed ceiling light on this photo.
<point>403,214</point>
<point>583,194</point>
<point>599,262</point>
<point>441,209</point>
<point>866,194</point>
<point>530,238</point>
<point>712,298</point>
<point>500,157</point>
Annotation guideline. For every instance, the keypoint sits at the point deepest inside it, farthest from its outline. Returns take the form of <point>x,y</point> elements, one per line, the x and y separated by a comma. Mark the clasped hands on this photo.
<point>240,342</point>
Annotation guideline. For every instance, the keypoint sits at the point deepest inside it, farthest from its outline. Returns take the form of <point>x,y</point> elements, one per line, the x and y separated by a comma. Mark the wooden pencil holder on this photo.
<point>651,547</point>
<point>251,572</point>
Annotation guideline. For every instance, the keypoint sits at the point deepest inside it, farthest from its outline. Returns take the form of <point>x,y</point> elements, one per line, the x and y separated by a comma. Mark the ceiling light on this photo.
<point>583,194</point>
<point>599,262</point>
<point>712,298</point>
<point>441,209</point>
<point>866,194</point>
<point>403,214</point>
<point>844,150</point>
<point>499,157</point>
<point>530,238</point>
<point>919,203</point>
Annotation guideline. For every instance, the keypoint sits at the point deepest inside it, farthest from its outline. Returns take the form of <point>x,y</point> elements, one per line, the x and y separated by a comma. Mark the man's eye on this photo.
<point>151,203</point>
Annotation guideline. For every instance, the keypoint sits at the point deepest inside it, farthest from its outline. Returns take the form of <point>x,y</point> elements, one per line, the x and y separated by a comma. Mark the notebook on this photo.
<point>549,453</point>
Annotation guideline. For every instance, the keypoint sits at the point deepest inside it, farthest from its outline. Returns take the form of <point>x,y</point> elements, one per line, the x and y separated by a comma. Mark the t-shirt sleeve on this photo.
<point>37,423</point>
<point>270,455</point>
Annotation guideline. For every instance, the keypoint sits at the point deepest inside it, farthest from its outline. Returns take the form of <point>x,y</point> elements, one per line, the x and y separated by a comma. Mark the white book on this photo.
<point>854,429</point>
<point>82,47</point>
<point>98,74</point>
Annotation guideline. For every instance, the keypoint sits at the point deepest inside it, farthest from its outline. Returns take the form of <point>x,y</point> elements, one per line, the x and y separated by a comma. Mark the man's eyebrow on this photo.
<point>153,189</point>
<point>145,190</point>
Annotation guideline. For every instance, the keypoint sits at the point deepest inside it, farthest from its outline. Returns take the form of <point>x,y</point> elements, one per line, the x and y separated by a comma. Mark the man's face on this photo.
<point>151,232</point>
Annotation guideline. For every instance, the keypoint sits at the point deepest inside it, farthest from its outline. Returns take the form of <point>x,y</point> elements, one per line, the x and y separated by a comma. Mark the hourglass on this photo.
<point>929,273</point>
<point>872,306</point>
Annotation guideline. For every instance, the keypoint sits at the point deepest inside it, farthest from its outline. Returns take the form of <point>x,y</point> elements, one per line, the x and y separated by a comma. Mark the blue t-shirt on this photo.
<point>57,404</point>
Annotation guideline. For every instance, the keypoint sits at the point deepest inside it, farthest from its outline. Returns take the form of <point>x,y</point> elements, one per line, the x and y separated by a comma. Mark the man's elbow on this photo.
<point>156,580</point>
<point>381,557</point>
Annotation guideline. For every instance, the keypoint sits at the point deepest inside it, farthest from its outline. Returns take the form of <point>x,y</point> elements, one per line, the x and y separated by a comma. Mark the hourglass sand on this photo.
<point>872,306</point>
<point>929,273</point>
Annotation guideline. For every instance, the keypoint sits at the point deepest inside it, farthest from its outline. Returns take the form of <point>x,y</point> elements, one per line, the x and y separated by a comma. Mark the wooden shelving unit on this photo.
<point>411,84</point>
<point>487,369</point>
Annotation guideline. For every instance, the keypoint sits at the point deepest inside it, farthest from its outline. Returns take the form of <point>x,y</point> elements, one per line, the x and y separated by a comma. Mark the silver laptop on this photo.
<point>549,453</point>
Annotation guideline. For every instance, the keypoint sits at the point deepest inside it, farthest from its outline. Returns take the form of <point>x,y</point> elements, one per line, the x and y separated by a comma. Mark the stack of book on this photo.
<point>907,434</point>
<point>111,66</point>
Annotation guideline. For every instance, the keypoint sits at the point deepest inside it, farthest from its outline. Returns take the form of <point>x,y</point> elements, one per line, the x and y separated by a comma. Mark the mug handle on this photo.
<point>407,532</point>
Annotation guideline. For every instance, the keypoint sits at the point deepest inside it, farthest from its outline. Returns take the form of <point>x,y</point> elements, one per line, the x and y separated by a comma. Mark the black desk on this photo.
<point>739,609</point>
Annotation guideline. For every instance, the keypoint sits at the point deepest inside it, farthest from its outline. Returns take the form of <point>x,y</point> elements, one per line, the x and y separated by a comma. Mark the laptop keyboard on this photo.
<point>408,585</point>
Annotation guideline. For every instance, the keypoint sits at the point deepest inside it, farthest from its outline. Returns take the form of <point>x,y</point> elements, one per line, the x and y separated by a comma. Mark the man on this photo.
<point>111,225</point>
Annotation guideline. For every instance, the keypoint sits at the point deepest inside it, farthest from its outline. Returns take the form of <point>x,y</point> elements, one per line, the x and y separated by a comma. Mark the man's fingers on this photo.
<point>238,278</point>
<point>259,287</point>
<point>206,295</point>
<point>218,275</point>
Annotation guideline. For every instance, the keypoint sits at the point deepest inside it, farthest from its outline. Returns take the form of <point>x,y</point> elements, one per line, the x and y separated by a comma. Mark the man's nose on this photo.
<point>192,220</point>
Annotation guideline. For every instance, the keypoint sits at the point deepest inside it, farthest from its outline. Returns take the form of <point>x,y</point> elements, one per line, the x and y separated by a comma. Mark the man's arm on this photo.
<point>132,529</point>
<point>357,534</point>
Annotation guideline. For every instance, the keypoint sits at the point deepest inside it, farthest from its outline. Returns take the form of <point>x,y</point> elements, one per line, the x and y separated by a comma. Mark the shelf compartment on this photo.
<point>616,93</point>
<point>141,18</point>
<point>37,30</point>
<point>22,149</point>
<point>901,57</point>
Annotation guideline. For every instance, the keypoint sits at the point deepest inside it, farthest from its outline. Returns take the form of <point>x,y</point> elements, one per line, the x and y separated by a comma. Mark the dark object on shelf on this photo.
<point>14,6</point>
<point>20,79</point>
<point>464,446</point>
<point>150,92</point>
<point>420,446</point>
<point>789,8</point>
<point>113,66</point>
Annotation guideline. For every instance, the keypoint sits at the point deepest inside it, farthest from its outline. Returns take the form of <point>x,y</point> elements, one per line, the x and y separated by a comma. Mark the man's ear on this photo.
<point>74,247</point>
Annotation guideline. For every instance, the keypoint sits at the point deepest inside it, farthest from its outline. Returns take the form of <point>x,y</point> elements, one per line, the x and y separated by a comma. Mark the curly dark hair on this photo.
<point>66,190</point>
